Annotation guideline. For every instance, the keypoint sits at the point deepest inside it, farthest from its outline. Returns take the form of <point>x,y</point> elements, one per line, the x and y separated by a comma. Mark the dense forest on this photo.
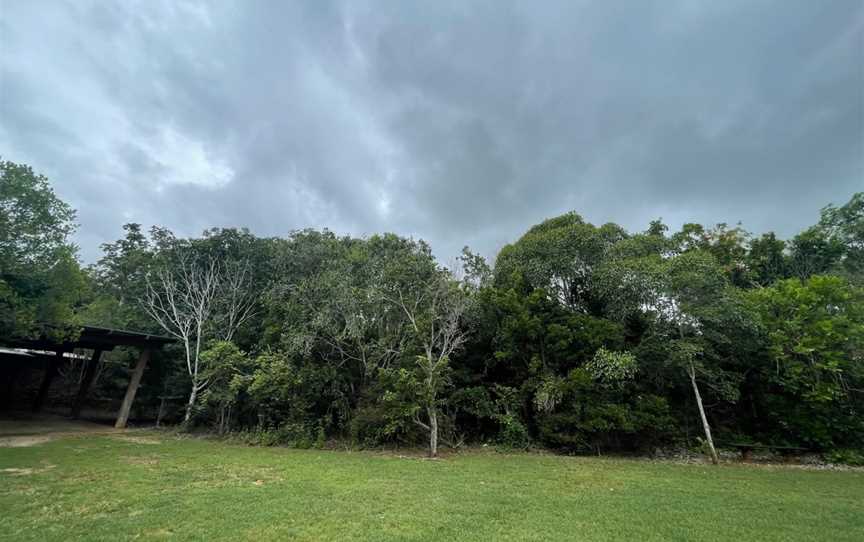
<point>578,338</point>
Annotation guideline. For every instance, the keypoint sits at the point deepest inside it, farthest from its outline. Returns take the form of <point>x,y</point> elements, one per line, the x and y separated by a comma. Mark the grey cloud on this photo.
<point>456,122</point>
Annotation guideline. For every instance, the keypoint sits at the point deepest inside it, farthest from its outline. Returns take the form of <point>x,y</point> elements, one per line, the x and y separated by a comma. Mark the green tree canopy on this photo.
<point>40,279</point>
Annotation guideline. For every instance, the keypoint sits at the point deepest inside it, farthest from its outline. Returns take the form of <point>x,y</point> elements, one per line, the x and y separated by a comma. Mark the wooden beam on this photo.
<point>86,381</point>
<point>50,372</point>
<point>134,381</point>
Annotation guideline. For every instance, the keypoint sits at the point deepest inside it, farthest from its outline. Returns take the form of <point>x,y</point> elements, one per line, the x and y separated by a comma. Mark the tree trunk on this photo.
<point>191,404</point>
<point>222,419</point>
<point>714,459</point>
<point>162,400</point>
<point>433,431</point>
<point>161,411</point>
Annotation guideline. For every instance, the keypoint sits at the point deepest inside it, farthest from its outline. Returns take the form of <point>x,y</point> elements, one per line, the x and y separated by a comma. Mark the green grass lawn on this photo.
<point>154,486</point>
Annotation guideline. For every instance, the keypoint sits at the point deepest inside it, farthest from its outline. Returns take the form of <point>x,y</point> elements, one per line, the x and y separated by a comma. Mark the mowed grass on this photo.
<point>155,487</point>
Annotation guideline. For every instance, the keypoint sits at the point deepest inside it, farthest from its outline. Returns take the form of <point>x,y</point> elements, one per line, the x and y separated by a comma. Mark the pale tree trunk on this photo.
<point>224,417</point>
<point>441,336</point>
<point>162,401</point>
<point>194,392</point>
<point>191,404</point>
<point>184,302</point>
<point>692,372</point>
<point>431,408</point>
<point>433,431</point>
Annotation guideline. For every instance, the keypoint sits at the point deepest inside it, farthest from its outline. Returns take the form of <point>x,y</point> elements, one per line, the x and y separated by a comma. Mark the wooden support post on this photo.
<point>134,381</point>
<point>50,372</point>
<point>90,368</point>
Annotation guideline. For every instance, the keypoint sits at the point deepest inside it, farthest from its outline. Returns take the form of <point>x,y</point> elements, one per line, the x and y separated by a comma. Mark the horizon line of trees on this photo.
<point>580,338</point>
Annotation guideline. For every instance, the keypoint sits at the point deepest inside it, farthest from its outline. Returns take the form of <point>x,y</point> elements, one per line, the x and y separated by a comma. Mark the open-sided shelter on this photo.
<point>53,353</point>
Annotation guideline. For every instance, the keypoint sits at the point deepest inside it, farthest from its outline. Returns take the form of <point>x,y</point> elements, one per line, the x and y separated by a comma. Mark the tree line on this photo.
<point>578,337</point>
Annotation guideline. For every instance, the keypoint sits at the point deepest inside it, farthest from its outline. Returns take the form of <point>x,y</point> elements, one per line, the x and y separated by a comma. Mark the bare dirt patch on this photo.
<point>23,441</point>
<point>146,461</point>
<point>26,471</point>
<point>138,440</point>
<point>18,472</point>
<point>20,424</point>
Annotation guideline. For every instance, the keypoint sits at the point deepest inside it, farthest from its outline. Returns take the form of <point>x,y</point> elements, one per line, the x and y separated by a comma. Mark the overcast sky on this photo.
<point>458,122</point>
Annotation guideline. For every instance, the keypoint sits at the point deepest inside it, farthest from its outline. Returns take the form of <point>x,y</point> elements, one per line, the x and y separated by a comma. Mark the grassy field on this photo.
<point>153,486</point>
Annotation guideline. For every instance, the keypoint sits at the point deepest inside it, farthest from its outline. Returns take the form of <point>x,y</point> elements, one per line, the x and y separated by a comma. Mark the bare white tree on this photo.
<point>193,299</point>
<point>435,312</point>
<point>236,300</point>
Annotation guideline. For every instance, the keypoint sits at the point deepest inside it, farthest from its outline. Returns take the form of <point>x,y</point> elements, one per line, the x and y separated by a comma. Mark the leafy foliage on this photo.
<point>582,338</point>
<point>815,336</point>
<point>41,283</point>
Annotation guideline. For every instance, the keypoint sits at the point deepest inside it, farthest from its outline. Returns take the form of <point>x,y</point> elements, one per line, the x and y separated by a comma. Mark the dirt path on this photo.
<point>29,430</point>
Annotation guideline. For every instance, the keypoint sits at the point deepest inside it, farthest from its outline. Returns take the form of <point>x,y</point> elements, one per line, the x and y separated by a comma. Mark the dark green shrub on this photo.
<point>513,433</point>
<point>846,457</point>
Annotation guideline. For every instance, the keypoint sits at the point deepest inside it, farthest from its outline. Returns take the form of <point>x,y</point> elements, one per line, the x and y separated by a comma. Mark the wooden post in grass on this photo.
<point>134,381</point>
<point>86,381</point>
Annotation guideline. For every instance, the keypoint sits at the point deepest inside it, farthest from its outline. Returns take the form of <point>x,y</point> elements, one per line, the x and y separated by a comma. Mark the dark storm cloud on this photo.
<point>456,122</point>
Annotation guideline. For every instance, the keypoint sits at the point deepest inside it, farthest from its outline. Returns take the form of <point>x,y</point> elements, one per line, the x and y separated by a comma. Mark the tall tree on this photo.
<point>435,311</point>
<point>845,226</point>
<point>196,299</point>
<point>120,280</point>
<point>35,224</point>
<point>814,252</point>
<point>815,333</point>
<point>40,278</point>
<point>692,307</point>
<point>559,255</point>
<point>766,260</point>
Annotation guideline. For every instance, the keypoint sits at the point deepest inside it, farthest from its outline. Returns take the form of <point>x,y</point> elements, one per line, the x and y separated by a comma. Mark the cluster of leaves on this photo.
<point>612,368</point>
